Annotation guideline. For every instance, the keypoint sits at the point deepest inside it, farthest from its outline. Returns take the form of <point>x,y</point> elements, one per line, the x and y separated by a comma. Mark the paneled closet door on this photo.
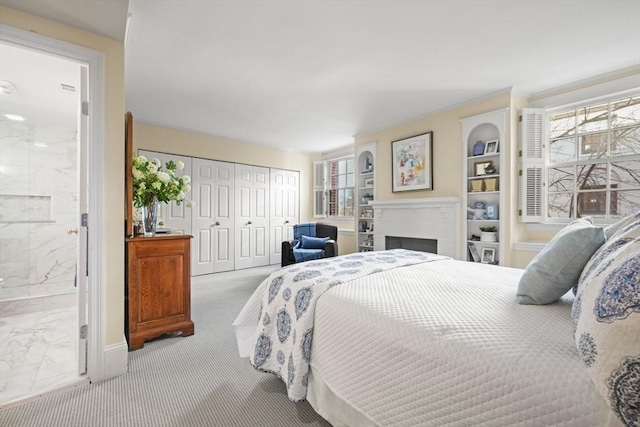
<point>174,217</point>
<point>252,216</point>
<point>285,188</point>
<point>212,246</point>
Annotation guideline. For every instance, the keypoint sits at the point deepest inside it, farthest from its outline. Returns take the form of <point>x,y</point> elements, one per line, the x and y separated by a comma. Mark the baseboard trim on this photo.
<point>116,360</point>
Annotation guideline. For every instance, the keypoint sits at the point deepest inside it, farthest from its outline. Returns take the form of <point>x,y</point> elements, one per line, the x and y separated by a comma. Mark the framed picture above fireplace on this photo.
<point>412,163</point>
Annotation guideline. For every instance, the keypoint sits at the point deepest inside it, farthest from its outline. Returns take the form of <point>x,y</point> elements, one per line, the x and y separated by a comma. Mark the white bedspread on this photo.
<point>283,338</point>
<point>446,344</point>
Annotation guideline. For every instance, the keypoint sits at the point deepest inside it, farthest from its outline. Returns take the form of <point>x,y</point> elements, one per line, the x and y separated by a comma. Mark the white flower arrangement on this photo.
<point>151,182</point>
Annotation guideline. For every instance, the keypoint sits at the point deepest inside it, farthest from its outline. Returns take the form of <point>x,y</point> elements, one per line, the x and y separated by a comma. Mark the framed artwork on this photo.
<point>488,255</point>
<point>491,147</point>
<point>492,210</point>
<point>368,182</point>
<point>478,168</point>
<point>412,163</point>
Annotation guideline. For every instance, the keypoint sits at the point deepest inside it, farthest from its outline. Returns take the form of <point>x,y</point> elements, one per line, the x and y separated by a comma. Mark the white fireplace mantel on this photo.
<point>425,218</point>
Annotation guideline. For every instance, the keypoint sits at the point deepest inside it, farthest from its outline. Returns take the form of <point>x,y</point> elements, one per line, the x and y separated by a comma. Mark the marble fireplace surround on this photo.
<point>425,218</point>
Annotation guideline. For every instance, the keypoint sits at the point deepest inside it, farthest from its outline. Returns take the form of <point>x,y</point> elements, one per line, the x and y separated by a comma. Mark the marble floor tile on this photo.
<point>38,352</point>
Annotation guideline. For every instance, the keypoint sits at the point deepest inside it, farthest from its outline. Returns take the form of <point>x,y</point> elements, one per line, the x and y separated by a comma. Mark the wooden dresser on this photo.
<point>158,290</point>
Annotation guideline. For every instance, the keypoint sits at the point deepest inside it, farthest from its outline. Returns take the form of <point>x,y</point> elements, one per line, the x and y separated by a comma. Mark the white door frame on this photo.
<point>94,60</point>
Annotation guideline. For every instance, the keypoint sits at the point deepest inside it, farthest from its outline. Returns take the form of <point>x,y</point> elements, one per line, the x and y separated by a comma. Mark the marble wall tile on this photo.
<point>19,207</point>
<point>30,170</point>
<point>15,180</point>
<point>12,293</point>
<point>15,274</point>
<point>14,231</point>
<point>14,250</point>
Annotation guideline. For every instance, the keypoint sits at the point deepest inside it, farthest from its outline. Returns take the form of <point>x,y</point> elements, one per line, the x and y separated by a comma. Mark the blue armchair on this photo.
<point>310,241</point>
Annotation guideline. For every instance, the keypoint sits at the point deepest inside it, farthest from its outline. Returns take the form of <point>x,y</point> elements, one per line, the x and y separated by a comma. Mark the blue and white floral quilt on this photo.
<point>285,330</point>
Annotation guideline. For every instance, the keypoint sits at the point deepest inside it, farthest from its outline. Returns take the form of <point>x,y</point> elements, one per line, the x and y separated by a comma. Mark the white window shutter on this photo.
<point>533,123</point>
<point>319,179</point>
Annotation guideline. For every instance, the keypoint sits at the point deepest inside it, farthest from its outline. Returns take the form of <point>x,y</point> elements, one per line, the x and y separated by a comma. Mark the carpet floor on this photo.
<point>174,381</point>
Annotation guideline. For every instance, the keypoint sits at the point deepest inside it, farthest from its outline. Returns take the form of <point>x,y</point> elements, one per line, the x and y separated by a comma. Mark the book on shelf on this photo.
<point>473,252</point>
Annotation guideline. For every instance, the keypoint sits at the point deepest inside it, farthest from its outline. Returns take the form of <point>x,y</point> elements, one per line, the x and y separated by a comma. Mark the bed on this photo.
<point>437,343</point>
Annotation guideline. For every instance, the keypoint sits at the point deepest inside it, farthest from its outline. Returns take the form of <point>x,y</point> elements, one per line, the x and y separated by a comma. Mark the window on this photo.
<point>590,162</point>
<point>341,182</point>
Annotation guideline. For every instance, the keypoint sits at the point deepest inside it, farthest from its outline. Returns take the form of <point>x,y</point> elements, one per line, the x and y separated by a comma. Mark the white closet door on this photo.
<point>284,209</point>
<point>252,216</point>
<point>212,247</point>
<point>224,216</point>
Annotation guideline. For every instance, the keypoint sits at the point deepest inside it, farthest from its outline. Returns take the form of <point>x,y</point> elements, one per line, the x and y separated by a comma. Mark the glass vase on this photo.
<point>150,218</point>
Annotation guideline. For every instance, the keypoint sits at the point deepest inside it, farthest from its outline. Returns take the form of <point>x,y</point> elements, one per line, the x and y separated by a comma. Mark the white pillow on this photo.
<point>606,316</point>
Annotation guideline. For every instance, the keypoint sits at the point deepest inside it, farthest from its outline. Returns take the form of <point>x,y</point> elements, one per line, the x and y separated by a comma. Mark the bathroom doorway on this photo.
<point>43,192</point>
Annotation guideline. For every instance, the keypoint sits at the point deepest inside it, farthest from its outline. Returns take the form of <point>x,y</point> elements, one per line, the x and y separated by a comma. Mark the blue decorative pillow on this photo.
<point>606,319</point>
<point>313,242</point>
<point>557,268</point>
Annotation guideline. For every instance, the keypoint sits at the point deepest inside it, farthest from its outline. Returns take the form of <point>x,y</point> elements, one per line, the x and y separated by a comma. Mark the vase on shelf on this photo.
<point>477,185</point>
<point>488,236</point>
<point>478,148</point>
<point>491,184</point>
<point>150,218</point>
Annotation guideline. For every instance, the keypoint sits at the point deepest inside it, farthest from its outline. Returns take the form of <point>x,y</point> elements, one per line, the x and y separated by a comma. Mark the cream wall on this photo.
<point>173,141</point>
<point>113,196</point>
<point>447,151</point>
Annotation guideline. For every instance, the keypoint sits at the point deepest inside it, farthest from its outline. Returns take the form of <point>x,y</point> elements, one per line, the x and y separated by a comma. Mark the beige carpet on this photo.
<point>176,381</point>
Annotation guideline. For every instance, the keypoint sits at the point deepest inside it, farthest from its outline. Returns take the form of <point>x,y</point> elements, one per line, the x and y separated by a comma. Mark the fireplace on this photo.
<point>436,218</point>
<point>411,243</point>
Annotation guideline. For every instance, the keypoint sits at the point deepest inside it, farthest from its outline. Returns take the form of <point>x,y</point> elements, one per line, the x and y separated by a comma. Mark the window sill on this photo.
<point>557,226</point>
<point>529,246</point>
<point>340,218</point>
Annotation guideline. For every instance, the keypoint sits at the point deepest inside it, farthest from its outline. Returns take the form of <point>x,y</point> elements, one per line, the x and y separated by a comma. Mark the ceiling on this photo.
<point>38,96</point>
<point>308,76</point>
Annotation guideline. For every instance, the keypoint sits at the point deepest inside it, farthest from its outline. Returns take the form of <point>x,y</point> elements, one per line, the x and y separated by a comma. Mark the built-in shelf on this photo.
<point>365,162</point>
<point>495,175</point>
<point>480,242</point>
<point>484,127</point>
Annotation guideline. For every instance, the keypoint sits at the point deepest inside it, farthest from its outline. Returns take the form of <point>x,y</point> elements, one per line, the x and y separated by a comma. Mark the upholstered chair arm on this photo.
<point>330,249</point>
<point>286,255</point>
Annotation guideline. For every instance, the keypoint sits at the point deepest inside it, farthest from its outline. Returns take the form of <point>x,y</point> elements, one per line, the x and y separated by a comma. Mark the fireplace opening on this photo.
<point>411,243</point>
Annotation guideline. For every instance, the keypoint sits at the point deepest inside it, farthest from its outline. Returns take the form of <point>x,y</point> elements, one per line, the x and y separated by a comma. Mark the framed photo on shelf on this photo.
<point>412,163</point>
<point>478,168</point>
<point>492,210</point>
<point>491,147</point>
<point>488,255</point>
<point>473,252</point>
<point>368,182</point>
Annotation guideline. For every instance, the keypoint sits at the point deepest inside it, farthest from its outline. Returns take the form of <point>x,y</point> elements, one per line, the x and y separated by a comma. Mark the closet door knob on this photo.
<point>217,223</point>
<point>286,222</point>
<point>72,231</point>
<point>249,223</point>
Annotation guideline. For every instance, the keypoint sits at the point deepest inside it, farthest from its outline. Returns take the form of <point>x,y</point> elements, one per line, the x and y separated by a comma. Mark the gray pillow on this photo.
<point>557,268</point>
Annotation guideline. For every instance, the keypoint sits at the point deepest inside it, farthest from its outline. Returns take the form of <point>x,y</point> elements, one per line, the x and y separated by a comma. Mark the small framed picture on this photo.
<point>488,255</point>
<point>478,168</point>
<point>492,210</point>
<point>491,147</point>
<point>368,182</point>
